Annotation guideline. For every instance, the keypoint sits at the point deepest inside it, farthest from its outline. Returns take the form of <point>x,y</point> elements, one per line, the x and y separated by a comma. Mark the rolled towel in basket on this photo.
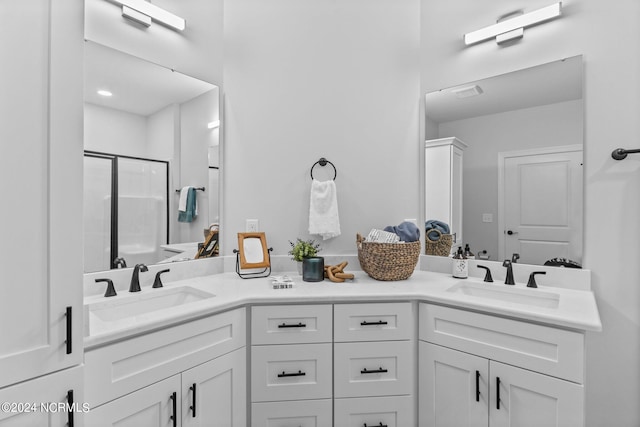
<point>407,231</point>
<point>433,224</point>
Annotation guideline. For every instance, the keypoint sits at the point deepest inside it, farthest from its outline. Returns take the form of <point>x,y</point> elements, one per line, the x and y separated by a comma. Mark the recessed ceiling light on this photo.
<point>103,92</point>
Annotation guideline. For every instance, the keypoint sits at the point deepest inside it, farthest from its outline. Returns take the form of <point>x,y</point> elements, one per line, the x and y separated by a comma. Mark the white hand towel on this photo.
<point>323,209</point>
<point>182,203</point>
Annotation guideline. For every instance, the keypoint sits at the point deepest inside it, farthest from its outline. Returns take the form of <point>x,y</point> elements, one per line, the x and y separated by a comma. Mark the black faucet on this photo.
<point>135,281</point>
<point>120,263</point>
<point>515,258</point>
<point>509,279</point>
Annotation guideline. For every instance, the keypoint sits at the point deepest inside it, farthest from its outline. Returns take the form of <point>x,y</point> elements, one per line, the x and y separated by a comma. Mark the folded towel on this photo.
<point>406,231</point>
<point>433,224</point>
<point>188,210</point>
<point>323,209</point>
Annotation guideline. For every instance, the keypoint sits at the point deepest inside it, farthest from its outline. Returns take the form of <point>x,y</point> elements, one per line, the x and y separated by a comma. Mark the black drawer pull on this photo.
<point>477,386</point>
<point>70,408</point>
<point>69,330</point>
<point>379,322</point>
<point>292,325</point>
<point>498,393</point>
<point>292,374</point>
<point>379,425</point>
<point>376,371</point>
<point>174,408</point>
<point>193,395</point>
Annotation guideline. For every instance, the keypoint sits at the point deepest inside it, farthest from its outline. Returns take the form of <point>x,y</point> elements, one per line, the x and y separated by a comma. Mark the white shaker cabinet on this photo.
<point>443,183</point>
<point>41,169</point>
<point>210,394</point>
<point>57,399</point>
<point>200,366</point>
<point>480,370</point>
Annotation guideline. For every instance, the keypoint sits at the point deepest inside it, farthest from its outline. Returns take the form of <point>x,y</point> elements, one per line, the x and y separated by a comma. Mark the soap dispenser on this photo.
<point>467,252</point>
<point>460,265</point>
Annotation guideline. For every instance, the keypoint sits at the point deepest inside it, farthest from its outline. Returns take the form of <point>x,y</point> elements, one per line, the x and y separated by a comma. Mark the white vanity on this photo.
<point>425,351</point>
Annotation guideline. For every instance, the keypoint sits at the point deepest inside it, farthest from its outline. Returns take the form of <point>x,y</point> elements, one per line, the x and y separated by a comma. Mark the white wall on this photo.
<point>486,136</point>
<point>114,131</point>
<point>612,195</point>
<point>310,79</point>
<point>195,139</point>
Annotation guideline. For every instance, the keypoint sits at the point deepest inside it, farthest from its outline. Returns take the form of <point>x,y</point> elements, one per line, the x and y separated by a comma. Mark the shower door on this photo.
<point>125,210</point>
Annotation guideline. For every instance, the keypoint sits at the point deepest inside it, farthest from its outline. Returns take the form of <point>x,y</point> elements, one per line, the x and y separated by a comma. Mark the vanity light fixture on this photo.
<point>144,12</point>
<point>509,29</point>
<point>214,124</point>
<point>103,92</point>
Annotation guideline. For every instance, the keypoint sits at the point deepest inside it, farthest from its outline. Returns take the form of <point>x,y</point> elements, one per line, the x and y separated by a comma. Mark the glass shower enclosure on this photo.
<point>126,211</point>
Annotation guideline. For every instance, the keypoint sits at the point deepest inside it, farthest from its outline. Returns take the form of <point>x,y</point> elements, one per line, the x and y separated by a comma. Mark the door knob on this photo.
<point>511,232</point>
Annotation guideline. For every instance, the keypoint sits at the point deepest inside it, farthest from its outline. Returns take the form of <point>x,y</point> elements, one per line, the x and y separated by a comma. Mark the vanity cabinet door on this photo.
<point>60,388</point>
<point>454,388</point>
<point>152,406</point>
<point>41,166</point>
<point>214,393</point>
<point>530,399</point>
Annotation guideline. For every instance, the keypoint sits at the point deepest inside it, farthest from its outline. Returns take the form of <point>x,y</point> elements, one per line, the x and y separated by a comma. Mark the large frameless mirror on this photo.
<point>149,133</point>
<point>521,173</point>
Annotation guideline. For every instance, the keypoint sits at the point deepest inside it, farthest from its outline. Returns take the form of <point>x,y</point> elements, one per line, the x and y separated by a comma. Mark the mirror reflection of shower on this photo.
<point>157,123</point>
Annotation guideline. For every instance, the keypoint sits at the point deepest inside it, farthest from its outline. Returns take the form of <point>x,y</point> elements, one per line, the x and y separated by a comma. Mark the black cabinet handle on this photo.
<point>193,396</point>
<point>70,408</point>
<point>477,386</point>
<point>498,393</point>
<point>379,425</point>
<point>69,330</point>
<point>292,374</point>
<point>292,325</point>
<point>376,371</point>
<point>379,322</point>
<point>174,409</point>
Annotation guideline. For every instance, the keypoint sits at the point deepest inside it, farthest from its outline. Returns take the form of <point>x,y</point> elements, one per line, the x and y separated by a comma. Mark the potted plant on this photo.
<point>302,249</point>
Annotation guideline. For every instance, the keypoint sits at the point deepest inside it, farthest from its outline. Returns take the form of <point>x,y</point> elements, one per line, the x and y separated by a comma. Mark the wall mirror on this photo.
<point>148,132</point>
<point>521,178</point>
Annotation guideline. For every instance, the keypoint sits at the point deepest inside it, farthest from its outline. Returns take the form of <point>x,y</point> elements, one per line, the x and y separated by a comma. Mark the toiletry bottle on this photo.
<point>460,265</point>
<point>467,252</point>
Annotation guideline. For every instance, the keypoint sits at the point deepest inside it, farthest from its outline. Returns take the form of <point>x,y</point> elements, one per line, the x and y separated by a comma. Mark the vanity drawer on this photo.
<point>552,351</point>
<point>303,413</point>
<point>290,372</point>
<point>291,324</point>
<point>120,368</point>
<point>395,411</point>
<point>373,368</point>
<point>373,322</point>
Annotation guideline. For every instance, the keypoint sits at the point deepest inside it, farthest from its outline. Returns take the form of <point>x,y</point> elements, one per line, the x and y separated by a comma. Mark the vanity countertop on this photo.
<point>567,308</point>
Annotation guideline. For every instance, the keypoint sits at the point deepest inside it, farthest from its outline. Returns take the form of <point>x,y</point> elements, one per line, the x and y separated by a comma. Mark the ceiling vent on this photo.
<point>467,91</point>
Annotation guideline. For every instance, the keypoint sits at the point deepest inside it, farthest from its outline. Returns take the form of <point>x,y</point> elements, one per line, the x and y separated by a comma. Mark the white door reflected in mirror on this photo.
<point>252,248</point>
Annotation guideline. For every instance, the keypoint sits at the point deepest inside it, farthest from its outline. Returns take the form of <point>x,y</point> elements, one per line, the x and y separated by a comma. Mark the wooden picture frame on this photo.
<point>253,250</point>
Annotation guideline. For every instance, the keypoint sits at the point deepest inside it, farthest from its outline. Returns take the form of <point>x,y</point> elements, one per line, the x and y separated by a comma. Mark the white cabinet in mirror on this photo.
<point>147,135</point>
<point>522,169</point>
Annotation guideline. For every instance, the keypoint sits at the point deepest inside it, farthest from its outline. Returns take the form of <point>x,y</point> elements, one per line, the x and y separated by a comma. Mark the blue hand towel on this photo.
<point>433,224</point>
<point>191,209</point>
<point>407,231</point>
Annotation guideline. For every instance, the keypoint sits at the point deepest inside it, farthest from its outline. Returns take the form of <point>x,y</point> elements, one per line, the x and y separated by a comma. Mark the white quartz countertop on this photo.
<point>573,309</point>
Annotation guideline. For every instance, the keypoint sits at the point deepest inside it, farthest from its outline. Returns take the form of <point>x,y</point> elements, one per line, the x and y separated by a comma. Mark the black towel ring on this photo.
<point>323,162</point>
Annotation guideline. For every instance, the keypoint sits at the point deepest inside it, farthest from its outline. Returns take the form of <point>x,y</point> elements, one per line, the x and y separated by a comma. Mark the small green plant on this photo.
<point>303,249</point>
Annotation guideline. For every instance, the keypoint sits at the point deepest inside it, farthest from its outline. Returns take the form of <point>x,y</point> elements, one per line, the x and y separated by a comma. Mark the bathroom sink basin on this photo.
<point>506,293</point>
<point>125,310</point>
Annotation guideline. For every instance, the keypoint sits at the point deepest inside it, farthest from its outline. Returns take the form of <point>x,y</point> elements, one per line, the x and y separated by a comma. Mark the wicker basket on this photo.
<point>388,261</point>
<point>440,247</point>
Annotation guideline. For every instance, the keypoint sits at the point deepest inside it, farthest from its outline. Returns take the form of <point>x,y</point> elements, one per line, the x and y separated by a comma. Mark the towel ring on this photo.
<point>323,162</point>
